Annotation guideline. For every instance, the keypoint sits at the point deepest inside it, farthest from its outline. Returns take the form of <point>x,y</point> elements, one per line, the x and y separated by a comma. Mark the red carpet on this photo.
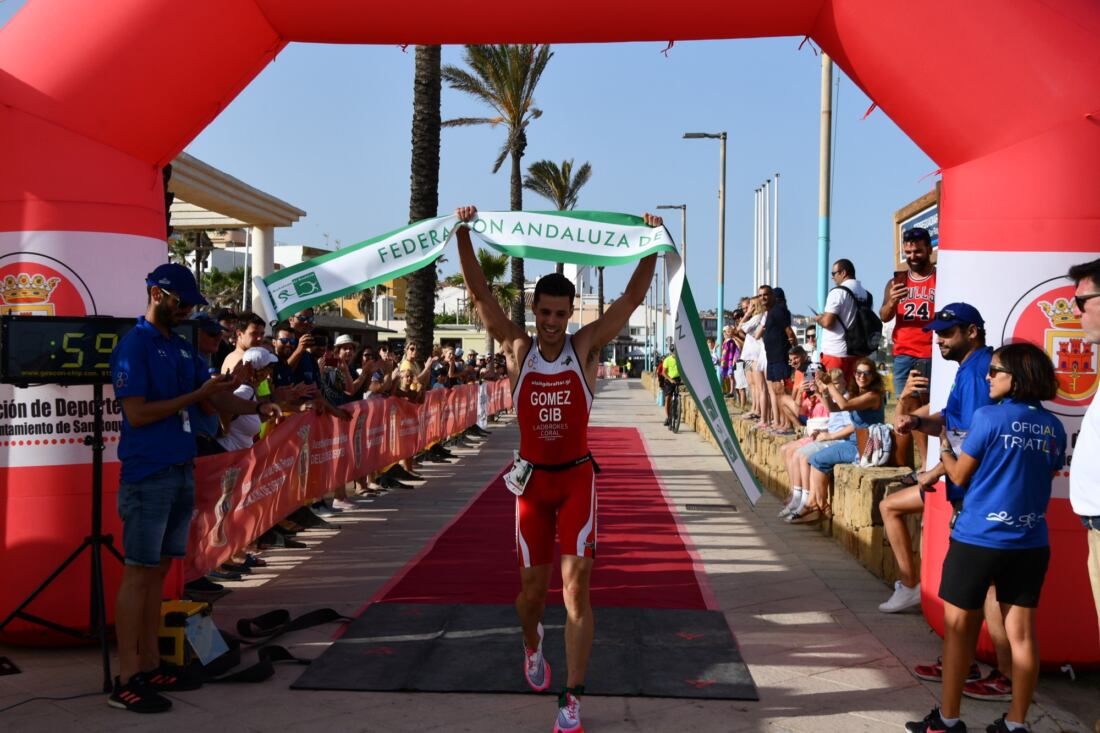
<point>641,560</point>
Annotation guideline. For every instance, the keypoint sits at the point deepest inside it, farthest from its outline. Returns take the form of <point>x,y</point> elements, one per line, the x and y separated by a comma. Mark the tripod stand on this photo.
<point>95,542</point>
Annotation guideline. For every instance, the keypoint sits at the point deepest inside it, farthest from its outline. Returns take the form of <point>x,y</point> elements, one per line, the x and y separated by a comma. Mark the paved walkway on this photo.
<point>803,611</point>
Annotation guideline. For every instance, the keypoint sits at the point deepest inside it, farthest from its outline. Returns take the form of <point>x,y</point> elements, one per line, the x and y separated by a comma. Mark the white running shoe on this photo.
<point>535,667</point>
<point>569,716</point>
<point>904,598</point>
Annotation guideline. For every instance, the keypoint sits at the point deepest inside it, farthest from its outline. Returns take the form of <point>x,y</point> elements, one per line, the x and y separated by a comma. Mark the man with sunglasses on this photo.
<point>960,337</point>
<point>838,316</point>
<point>1084,478</point>
<point>157,376</point>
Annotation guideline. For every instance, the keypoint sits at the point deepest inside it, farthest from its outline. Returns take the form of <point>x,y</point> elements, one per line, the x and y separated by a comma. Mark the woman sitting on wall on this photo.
<point>797,454</point>
<point>866,402</point>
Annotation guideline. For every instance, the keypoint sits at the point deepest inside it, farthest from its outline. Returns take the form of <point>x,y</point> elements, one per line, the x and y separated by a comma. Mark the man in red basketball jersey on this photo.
<point>910,301</point>
<point>553,377</point>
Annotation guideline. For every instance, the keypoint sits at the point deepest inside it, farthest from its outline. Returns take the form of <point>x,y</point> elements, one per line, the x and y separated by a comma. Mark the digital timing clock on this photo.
<point>64,349</point>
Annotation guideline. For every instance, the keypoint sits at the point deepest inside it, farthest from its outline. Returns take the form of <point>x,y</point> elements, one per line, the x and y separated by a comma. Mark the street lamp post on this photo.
<point>683,231</point>
<point>721,137</point>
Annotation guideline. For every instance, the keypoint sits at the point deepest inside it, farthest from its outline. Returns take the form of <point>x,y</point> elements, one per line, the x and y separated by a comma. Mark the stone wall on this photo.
<point>856,522</point>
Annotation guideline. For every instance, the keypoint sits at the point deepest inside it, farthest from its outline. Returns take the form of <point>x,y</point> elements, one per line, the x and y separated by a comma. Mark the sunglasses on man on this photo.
<point>287,341</point>
<point>180,302</point>
<point>1080,300</point>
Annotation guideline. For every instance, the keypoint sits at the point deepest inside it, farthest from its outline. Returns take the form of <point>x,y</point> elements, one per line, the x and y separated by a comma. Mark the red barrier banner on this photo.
<point>240,495</point>
<point>500,396</point>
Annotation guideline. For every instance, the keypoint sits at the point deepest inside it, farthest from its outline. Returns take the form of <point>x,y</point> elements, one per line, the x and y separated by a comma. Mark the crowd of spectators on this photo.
<point>301,367</point>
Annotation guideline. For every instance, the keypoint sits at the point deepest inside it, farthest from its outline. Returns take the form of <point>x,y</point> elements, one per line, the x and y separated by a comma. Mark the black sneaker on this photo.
<point>171,679</point>
<point>999,726</point>
<point>202,585</point>
<point>391,483</point>
<point>439,450</point>
<point>397,471</point>
<point>137,697</point>
<point>933,723</point>
<point>306,518</point>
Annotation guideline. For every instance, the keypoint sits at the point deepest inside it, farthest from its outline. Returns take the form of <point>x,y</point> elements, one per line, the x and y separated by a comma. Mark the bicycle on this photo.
<point>674,408</point>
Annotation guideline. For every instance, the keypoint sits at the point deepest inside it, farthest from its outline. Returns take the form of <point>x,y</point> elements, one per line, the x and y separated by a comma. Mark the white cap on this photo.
<point>344,338</point>
<point>259,357</point>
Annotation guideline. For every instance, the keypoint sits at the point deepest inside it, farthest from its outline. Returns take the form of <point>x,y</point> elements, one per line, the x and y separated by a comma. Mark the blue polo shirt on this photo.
<point>307,371</point>
<point>146,364</point>
<point>969,392</point>
<point>201,423</point>
<point>1019,446</point>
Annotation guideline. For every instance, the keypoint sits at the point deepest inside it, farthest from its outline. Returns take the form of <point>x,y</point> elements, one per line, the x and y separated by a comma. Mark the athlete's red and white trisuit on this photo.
<point>552,402</point>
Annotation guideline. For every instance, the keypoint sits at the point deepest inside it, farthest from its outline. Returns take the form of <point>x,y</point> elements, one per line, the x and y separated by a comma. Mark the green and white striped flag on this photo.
<point>596,238</point>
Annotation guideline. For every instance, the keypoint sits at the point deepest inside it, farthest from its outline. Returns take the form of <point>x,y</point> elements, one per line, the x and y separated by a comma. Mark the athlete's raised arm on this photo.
<point>496,321</point>
<point>593,337</point>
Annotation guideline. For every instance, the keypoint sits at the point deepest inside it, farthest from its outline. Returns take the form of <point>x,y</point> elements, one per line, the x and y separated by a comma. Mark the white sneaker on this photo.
<point>535,667</point>
<point>569,716</point>
<point>796,499</point>
<point>904,598</point>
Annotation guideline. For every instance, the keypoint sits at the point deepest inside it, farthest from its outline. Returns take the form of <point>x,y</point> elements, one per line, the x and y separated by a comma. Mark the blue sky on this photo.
<point>326,128</point>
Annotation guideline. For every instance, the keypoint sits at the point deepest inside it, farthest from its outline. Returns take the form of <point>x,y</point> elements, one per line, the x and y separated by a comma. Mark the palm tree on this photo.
<point>223,289</point>
<point>504,77</point>
<point>424,191</point>
<point>364,301</point>
<point>599,288</point>
<point>558,185</point>
<point>494,266</point>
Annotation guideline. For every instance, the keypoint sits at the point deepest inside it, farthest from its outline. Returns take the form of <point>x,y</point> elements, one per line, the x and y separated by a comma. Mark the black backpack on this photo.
<point>865,334</point>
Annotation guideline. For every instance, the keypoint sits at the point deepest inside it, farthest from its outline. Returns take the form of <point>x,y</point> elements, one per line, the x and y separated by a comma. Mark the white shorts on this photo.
<point>739,379</point>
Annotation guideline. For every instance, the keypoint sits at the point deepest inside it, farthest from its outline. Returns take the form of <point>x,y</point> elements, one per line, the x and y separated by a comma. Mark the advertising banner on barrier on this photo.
<point>239,495</point>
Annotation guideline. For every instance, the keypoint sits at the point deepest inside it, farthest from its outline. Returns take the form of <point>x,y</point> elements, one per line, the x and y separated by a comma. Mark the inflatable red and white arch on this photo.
<point>1003,96</point>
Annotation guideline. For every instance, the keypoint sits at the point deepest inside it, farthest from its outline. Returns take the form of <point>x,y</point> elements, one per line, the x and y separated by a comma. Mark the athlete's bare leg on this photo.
<point>531,601</point>
<point>580,623</point>
<point>894,509</point>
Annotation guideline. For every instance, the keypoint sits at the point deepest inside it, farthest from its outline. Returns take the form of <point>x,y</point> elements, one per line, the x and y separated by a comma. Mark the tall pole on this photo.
<point>683,231</point>
<point>756,245</point>
<point>721,136</point>
<point>767,232</point>
<point>775,234</point>
<point>722,239</point>
<point>653,302</point>
<point>245,286</point>
<point>823,181</point>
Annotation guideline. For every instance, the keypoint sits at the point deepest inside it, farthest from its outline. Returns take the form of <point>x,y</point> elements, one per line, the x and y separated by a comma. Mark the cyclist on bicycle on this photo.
<point>671,382</point>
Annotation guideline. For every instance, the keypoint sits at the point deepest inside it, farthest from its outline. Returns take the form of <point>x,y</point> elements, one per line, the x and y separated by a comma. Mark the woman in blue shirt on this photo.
<point>999,532</point>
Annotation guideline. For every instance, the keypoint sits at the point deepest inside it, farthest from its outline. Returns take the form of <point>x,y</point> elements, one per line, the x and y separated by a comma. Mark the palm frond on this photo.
<point>467,121</point>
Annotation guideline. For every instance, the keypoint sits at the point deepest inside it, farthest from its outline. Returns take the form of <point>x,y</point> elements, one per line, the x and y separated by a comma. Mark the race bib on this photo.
<point>516,479</point>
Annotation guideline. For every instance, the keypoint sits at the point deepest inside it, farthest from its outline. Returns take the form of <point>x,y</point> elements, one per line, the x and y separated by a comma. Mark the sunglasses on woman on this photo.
<point>994,370</point>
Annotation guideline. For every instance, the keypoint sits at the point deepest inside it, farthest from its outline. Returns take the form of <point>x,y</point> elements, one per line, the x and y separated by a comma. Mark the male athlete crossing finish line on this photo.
<point>553,377</point>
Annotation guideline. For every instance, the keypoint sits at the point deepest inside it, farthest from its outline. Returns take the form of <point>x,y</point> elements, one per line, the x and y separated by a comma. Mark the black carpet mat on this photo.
<point>638,652</point>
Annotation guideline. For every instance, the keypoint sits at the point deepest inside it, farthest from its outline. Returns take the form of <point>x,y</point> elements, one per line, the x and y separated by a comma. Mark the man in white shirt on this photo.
<point>1084,476</point>
<point>839,315</point>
